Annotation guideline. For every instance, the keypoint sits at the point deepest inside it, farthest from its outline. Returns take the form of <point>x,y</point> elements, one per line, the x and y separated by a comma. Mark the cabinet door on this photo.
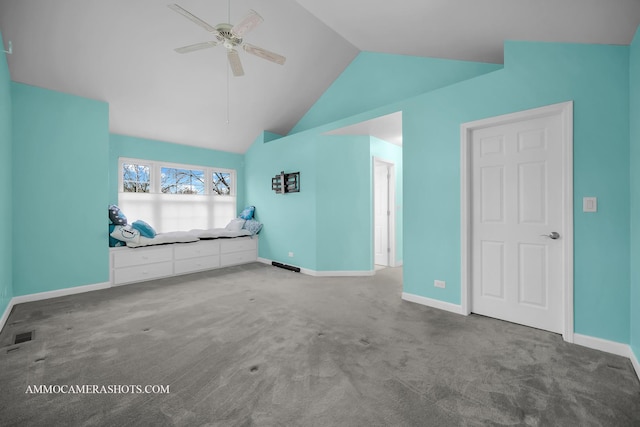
<point>184,266</point>
<point>196,250</point>
<point>141,256</point>
<point>237,245</point>
<point>142,272</point>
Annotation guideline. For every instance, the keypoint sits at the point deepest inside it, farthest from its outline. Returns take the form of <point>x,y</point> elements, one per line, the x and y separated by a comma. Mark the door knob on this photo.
<point>554,235</point>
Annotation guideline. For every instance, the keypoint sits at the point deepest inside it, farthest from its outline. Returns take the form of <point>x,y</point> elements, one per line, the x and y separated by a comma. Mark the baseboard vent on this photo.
<point>23,337</point>
<point>285,266</point>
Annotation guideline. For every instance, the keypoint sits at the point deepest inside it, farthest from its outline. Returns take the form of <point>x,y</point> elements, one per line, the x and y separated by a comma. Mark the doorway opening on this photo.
<point>384,238</point>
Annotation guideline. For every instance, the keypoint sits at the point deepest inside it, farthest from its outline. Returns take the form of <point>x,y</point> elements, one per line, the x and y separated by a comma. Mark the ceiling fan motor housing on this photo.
<point>226,37</point>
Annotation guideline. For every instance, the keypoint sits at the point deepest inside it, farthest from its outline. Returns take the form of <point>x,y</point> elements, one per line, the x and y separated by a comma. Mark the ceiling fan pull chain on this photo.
<point>228,81</point>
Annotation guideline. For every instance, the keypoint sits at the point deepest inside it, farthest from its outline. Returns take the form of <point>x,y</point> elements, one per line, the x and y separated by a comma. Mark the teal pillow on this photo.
<point>145,229</point>
<point>247,213</point>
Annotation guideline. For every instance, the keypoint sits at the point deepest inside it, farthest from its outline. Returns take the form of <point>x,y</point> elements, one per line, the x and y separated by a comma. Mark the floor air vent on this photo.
<point>285,266</point>
<point>23,337</point>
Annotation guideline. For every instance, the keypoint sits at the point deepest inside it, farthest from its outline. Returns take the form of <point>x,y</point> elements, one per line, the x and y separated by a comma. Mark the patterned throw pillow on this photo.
<point>116,216</point>
<point>125,233</point>
<point>253,226</point>
<point>114,243</point>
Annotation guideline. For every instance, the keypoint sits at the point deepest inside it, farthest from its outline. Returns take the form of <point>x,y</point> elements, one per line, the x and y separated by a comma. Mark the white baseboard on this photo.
<point>339,273</point>
<point>612,347</point>
<point>60,293</point>
<point>634,362</point>
<point>398,264</point>
<point>6,313</point>
<point>47,295</point>
<point>603,345</point>
<point>429,302</point>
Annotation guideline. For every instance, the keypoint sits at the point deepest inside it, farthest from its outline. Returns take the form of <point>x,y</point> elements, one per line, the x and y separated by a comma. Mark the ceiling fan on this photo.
<point>231,37</point>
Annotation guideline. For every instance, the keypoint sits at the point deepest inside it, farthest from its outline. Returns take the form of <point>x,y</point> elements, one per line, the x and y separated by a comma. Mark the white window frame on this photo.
<point>121,163</point>
<point>155,168</point>
<point>177,211</point>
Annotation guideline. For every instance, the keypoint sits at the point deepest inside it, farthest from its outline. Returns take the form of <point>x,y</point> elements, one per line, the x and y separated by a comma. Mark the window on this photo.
<point>222,182</point>
<point>135,178</point>
<point>181,181</point>
<point>174,197</point>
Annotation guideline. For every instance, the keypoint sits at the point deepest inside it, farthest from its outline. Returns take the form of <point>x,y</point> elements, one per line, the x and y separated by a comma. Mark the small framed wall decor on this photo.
<point>286,183</point>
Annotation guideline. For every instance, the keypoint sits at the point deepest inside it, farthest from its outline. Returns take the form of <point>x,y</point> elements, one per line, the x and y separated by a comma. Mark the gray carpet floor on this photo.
<point>257,345</point>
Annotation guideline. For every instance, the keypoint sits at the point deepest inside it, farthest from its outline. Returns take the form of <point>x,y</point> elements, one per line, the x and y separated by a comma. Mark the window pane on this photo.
<point>222,183</point>
<point>181,181</point>
<point>135,178</point>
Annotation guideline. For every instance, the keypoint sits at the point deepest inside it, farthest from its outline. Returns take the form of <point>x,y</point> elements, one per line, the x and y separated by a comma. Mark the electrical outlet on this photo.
<point>439,284</point>
<point>290,254</point>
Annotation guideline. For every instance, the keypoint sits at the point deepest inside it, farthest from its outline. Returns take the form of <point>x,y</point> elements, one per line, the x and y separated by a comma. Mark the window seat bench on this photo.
<point>130,265</point>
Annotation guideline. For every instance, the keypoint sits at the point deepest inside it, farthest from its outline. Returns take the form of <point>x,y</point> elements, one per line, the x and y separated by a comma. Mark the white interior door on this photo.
<point>516,204</point>
<point>381,213</point>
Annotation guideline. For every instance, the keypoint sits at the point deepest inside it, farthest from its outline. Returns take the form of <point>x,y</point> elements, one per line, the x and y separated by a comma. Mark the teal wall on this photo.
<point>6,173</point>
<point>326,229</point>
<point>392,153</point>
<point>289,219</point>
<point>634,121</point>
<point>60,157</point>
<point>140,148</point>
<point>376,79</point>
<point>343,204</point>
<point>328,225</point>
<point>596,77</point>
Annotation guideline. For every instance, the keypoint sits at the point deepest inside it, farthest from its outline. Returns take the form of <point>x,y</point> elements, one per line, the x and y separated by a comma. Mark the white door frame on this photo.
<point>391,229</point>
<point>565,111</point>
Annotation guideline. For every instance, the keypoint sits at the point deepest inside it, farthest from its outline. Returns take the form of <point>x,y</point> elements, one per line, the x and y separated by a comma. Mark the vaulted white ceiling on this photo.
<point>122,52</point>
<point>474,30</point>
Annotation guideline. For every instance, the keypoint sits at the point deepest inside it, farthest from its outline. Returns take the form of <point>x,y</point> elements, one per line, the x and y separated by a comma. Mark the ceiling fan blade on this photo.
<point>234,62</point>
<point>192,18</point>
<point>247,24</point>
<point>197,46</point>
<point>264,54</point>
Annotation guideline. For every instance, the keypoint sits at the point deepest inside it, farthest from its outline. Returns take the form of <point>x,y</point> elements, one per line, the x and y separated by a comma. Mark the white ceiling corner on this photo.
<point>474,30</point>
<point>387,128</point>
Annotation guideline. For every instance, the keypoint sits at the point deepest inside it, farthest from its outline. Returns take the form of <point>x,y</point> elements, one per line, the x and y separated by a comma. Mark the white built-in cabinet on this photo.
<point>128,265</point>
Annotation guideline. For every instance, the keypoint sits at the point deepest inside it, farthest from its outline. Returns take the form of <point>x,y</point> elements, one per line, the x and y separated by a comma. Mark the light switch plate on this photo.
<point>589,204</point>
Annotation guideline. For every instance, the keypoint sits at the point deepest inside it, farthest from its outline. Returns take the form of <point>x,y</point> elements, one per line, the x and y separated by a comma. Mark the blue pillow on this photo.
<point>253,226</point>
<point>145,229</point>
<point>247,213</point>
<point>116,216</point>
